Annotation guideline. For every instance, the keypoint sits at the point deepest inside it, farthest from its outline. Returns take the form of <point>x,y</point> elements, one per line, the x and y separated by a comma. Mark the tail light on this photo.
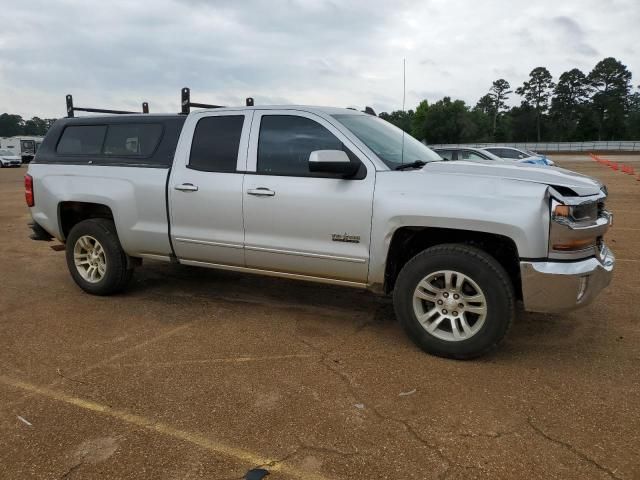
<point>28,190</point>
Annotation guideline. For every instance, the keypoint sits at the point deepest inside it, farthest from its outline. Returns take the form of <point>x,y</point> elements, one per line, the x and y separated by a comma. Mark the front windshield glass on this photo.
<point>5,152</point>
<point>386,141</point>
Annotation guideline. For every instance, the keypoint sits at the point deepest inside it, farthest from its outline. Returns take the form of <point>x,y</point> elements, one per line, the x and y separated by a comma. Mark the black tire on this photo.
<point>117,272</point>
<point>485,271</point>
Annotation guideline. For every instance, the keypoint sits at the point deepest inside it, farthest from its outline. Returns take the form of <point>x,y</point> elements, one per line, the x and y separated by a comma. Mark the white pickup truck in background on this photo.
<point>324,194</point>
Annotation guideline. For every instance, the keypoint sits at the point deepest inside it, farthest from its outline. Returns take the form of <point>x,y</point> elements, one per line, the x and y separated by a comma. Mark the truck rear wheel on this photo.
<point>454,301</point>
<point>95,258</point>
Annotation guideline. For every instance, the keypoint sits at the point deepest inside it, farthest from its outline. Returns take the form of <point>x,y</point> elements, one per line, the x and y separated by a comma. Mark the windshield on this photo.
<point>6,152</point>
<point>386,141</point>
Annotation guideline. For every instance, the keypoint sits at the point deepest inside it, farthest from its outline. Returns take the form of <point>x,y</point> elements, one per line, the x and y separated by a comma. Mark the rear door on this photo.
<point>205,188</point>
<point>299,222</point>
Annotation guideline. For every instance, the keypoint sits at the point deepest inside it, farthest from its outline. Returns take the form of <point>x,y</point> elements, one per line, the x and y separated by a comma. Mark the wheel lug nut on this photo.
<point>440,302</point>
<point>444,311</point>
<point>454,313</point>
<point>445,295</point>
<point>456,296</point>
<point>461,305</point>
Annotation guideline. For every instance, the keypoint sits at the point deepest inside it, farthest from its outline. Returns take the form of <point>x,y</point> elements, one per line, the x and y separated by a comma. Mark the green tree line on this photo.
<point>12,125</point>
<point>600,105</point>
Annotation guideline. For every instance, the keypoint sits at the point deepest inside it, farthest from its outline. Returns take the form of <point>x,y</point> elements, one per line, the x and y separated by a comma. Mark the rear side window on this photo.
<point>82,140</point>
<point>286,141</point>
<point>469,155</point>
<point>215,145</point>
<point>132,140</point>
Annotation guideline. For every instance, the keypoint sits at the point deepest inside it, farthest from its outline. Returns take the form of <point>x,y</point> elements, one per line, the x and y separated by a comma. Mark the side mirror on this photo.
<point>332,161</point>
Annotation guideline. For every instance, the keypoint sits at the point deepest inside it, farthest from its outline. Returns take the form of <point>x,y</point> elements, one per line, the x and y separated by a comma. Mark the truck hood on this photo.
<point>582,185</point>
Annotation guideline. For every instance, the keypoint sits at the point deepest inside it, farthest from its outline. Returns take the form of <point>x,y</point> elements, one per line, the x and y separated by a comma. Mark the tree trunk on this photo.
<point>538,124</point>
<point>495,120</point>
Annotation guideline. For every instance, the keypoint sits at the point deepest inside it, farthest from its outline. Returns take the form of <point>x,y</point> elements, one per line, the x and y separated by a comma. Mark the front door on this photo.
<point>299,222</point>
<point>205,188</point>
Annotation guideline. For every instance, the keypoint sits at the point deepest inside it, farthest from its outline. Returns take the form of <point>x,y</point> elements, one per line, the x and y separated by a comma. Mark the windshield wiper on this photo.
<point>416,164</point>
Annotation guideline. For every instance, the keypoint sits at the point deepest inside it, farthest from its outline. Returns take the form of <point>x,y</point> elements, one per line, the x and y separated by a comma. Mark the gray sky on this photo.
<point>115,54</point>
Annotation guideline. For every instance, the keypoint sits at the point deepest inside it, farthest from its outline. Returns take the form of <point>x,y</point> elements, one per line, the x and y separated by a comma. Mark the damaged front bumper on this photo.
<point>560,286</point>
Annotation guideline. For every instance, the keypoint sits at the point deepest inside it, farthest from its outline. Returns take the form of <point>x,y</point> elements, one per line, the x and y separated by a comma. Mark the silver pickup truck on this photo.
<point>329,195</point>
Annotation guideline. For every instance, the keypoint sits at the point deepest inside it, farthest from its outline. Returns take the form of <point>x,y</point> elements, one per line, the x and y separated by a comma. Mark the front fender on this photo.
<point>514,209</point>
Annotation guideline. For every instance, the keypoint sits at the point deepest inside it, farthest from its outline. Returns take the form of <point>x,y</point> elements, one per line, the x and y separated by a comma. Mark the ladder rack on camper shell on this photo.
<point>71,109</point>
<point>185,105</point>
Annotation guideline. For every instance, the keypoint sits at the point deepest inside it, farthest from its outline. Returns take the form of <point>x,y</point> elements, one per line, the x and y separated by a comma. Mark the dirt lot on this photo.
<point>196,373</point>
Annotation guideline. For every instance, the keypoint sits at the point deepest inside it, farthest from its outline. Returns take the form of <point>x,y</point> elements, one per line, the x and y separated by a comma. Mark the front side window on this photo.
<point>132,139</point>
<point>393,146</point>
<point>82,140</point>
<point>215,145</point>
<point>508,153</point>
<point>286,141</point>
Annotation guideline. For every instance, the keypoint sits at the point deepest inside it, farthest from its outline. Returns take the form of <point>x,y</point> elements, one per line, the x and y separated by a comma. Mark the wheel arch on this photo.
<point>408,241</point>
<point>71,213</point>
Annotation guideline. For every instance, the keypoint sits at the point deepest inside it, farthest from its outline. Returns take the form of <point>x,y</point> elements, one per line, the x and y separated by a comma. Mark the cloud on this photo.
<point>573,35</point>
<point>118,53</point>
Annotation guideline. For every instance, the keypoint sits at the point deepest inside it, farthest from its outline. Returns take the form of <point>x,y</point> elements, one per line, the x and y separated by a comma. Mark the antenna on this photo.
<point>404,81</point>
<point>404,93</point>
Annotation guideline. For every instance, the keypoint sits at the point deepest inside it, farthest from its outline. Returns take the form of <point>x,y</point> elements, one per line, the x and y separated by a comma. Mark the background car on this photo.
<point>9,159</point>
<point>544,157</point>
<point>470,154</point>
<point>519,155</point>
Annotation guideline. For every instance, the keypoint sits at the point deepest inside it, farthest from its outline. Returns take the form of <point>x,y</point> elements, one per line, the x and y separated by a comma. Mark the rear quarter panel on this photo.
<point>136,197</point>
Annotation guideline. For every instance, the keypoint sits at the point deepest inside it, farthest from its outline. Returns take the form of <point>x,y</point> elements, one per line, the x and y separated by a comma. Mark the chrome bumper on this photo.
<point>561,286</point>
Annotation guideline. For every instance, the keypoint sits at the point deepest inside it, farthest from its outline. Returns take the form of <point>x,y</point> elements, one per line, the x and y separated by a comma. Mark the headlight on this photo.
<point>576,229</point>
<point>584,212</point>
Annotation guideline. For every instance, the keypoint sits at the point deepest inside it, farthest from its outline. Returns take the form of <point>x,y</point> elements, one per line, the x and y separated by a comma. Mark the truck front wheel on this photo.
<point>95,258</point>
<point>454,301</point>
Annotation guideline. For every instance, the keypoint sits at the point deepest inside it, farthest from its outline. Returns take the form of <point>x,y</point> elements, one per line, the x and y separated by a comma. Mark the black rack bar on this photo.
<point>186,102</point>
<point>71,109</point>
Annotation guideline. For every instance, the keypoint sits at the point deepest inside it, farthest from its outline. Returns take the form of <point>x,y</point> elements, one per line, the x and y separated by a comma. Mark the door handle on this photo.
<point>187,187</point>
<point>261,192</point>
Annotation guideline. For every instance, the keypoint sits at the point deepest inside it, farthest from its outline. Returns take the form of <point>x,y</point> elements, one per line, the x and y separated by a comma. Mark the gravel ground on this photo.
<point>196,373</point>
